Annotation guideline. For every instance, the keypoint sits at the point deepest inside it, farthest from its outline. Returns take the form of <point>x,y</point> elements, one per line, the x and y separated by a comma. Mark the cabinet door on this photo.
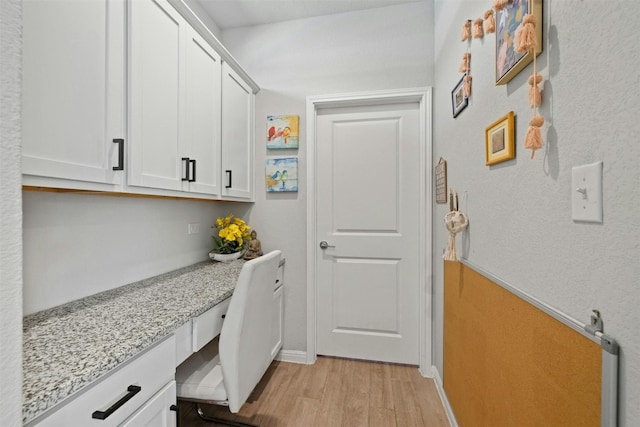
<point>277,331</point>
<point>237,135</point>
<point>156,89</point>
<point>200,139</point>
<point>73,89</point>
<point>156,412</point>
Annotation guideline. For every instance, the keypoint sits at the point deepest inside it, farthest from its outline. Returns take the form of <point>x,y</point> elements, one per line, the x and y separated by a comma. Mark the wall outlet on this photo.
<point>193,228</point>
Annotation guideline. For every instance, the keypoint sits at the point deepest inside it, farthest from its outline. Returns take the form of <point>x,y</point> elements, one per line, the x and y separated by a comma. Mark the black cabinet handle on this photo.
<point>120,143</point>
<point>193,170</point>
<point>186,169</point>
<point>175,409</point>
<point>132,390</point>
<point>228,178</point>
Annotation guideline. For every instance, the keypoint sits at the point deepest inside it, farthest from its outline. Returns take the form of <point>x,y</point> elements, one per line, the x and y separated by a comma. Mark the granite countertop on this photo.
<point>67,347</point>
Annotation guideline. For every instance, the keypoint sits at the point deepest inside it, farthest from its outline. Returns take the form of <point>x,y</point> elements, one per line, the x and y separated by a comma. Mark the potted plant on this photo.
<point>231,240</point>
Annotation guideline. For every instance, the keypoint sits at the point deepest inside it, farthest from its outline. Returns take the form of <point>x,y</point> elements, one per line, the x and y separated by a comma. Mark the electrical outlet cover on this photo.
<point>586,193</point>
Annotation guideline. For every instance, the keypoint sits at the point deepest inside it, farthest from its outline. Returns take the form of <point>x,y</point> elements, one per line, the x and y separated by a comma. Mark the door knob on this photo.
<point>325,245</point>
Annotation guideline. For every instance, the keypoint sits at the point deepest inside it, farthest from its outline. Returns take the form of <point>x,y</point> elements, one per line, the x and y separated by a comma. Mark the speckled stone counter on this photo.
<point>69,346</point>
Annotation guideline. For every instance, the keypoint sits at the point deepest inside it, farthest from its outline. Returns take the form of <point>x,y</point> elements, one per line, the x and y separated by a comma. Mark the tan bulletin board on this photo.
<point>508,363</point>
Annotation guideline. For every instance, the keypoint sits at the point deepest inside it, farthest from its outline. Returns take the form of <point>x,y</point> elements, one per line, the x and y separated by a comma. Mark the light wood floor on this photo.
<point>334,392</point>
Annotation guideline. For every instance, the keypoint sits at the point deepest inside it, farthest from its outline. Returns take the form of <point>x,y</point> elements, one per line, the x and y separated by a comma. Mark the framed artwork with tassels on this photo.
<point>508,18</point>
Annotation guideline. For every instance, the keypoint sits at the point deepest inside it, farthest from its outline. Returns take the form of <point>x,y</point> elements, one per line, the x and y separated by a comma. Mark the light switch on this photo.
<point>586,193</point>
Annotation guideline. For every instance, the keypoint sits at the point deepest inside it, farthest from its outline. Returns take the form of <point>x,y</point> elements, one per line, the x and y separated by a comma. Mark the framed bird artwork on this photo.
<point>282,132</point>
<point>281,174</point>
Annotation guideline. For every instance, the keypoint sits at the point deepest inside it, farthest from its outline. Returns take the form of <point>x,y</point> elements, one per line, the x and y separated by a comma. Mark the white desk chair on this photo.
<point>229,377</point>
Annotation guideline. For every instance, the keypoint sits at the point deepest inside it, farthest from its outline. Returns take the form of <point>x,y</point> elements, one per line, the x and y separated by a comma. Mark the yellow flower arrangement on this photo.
<point>233,235</point>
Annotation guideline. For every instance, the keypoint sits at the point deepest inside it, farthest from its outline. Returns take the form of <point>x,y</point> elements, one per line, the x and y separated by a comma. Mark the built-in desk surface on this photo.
<point>67,347</point>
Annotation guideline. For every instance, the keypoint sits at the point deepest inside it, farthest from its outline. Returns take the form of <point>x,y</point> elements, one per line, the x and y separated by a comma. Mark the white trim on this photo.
<point>197,24</point>
<point>443,397</point>
<point>292,356</point>
<point>315,103</point>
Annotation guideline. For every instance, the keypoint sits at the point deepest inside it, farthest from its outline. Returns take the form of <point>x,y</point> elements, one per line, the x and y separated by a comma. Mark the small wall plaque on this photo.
<point>441,181</point>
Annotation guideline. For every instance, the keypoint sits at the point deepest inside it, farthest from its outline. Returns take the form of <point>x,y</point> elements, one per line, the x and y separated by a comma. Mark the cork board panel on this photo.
<point>508,363</point>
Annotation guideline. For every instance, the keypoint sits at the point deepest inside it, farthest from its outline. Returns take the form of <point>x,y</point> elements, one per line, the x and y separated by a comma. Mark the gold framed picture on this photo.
<point>499,140</point>
<point>509,62</point>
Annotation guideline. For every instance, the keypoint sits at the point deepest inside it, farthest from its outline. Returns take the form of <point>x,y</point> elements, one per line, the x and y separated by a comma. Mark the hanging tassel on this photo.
<point>450,254</point>
<point>525,37</point>
<point>489,22</point>
<point>466,89</point>
<point>499,4</point>
<point>466,30</point>
<point>477,29</point>
<point>533,140</point>
<point>466,61</point>
<point>535,97</point>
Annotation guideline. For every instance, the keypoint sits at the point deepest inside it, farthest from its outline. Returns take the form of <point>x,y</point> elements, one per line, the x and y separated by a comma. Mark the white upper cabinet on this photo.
<point>237,135</point>
<point>201,139</point>
<point>156,87</point>
<point>136,97</point>
<point>73,92</point>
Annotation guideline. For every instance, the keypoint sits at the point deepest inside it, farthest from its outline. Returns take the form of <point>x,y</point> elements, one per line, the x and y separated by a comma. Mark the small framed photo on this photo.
<point>458,101</point>
<point>499,140</point>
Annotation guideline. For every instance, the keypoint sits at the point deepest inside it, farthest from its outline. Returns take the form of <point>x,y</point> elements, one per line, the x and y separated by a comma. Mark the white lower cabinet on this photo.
<point>123,393</point>
<point>277,321</point>
<point>277,334</point>
<point>159,411</point>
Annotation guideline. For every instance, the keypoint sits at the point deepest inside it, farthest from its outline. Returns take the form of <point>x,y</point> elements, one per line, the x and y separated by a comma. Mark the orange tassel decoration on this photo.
<point>477,29</point>
<point>466,61</point>
<point>535,97</point>
<point>466,30</point>
<point>489,22</point>
<point>533,140</point>
<point>466,89</point>
<point>499,4</point>
<point>526,34</point>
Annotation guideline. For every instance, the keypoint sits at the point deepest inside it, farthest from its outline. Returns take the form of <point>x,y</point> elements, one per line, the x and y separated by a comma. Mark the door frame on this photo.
<point>423,97</point>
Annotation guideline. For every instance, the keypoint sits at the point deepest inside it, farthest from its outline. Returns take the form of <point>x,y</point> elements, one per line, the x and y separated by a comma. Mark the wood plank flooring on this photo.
<point>334,392</point>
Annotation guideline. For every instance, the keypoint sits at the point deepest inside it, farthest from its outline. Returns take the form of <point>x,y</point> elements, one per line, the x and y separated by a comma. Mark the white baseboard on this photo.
<point>293,356</point>
<point>443,397</point>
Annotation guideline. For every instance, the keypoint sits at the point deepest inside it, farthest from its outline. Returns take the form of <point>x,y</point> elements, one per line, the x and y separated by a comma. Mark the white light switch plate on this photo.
<point>586,193</point>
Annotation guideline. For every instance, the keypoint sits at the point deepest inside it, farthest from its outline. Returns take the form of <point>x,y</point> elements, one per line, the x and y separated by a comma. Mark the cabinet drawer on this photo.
<point>150,371</point>
<point>208,325</point>
<point>157,411</point>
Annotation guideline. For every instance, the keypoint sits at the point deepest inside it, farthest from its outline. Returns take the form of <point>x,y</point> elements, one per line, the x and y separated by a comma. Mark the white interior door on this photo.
<point>368,185</point>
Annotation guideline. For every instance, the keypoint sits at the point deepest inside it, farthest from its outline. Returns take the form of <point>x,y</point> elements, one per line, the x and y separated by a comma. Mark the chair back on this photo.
<point>245,339</point>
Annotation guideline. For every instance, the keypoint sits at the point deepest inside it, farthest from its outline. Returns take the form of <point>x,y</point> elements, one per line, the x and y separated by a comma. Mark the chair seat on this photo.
<point>200,376</point>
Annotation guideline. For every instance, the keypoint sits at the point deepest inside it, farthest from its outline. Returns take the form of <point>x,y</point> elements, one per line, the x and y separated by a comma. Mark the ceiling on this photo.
<point>241,13</point>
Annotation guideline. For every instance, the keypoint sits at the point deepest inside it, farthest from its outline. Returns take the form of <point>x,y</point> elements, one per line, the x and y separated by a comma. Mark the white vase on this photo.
<point>225,257</point>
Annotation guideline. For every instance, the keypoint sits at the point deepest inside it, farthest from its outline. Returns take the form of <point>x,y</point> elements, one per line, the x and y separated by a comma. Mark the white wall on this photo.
<point>376,49</point>
<point>78,245</point>
<point>520,226</point>
<point>10,216</point>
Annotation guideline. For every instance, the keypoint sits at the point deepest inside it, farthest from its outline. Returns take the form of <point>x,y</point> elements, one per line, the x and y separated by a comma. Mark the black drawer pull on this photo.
<point>132,390</point>
<point>120,143</point>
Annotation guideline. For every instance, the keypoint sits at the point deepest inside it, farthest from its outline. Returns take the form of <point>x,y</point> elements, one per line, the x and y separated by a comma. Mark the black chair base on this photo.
<point>206,417</point>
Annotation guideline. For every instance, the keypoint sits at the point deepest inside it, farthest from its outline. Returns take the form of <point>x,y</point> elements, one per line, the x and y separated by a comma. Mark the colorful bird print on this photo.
<point>272,180</point>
